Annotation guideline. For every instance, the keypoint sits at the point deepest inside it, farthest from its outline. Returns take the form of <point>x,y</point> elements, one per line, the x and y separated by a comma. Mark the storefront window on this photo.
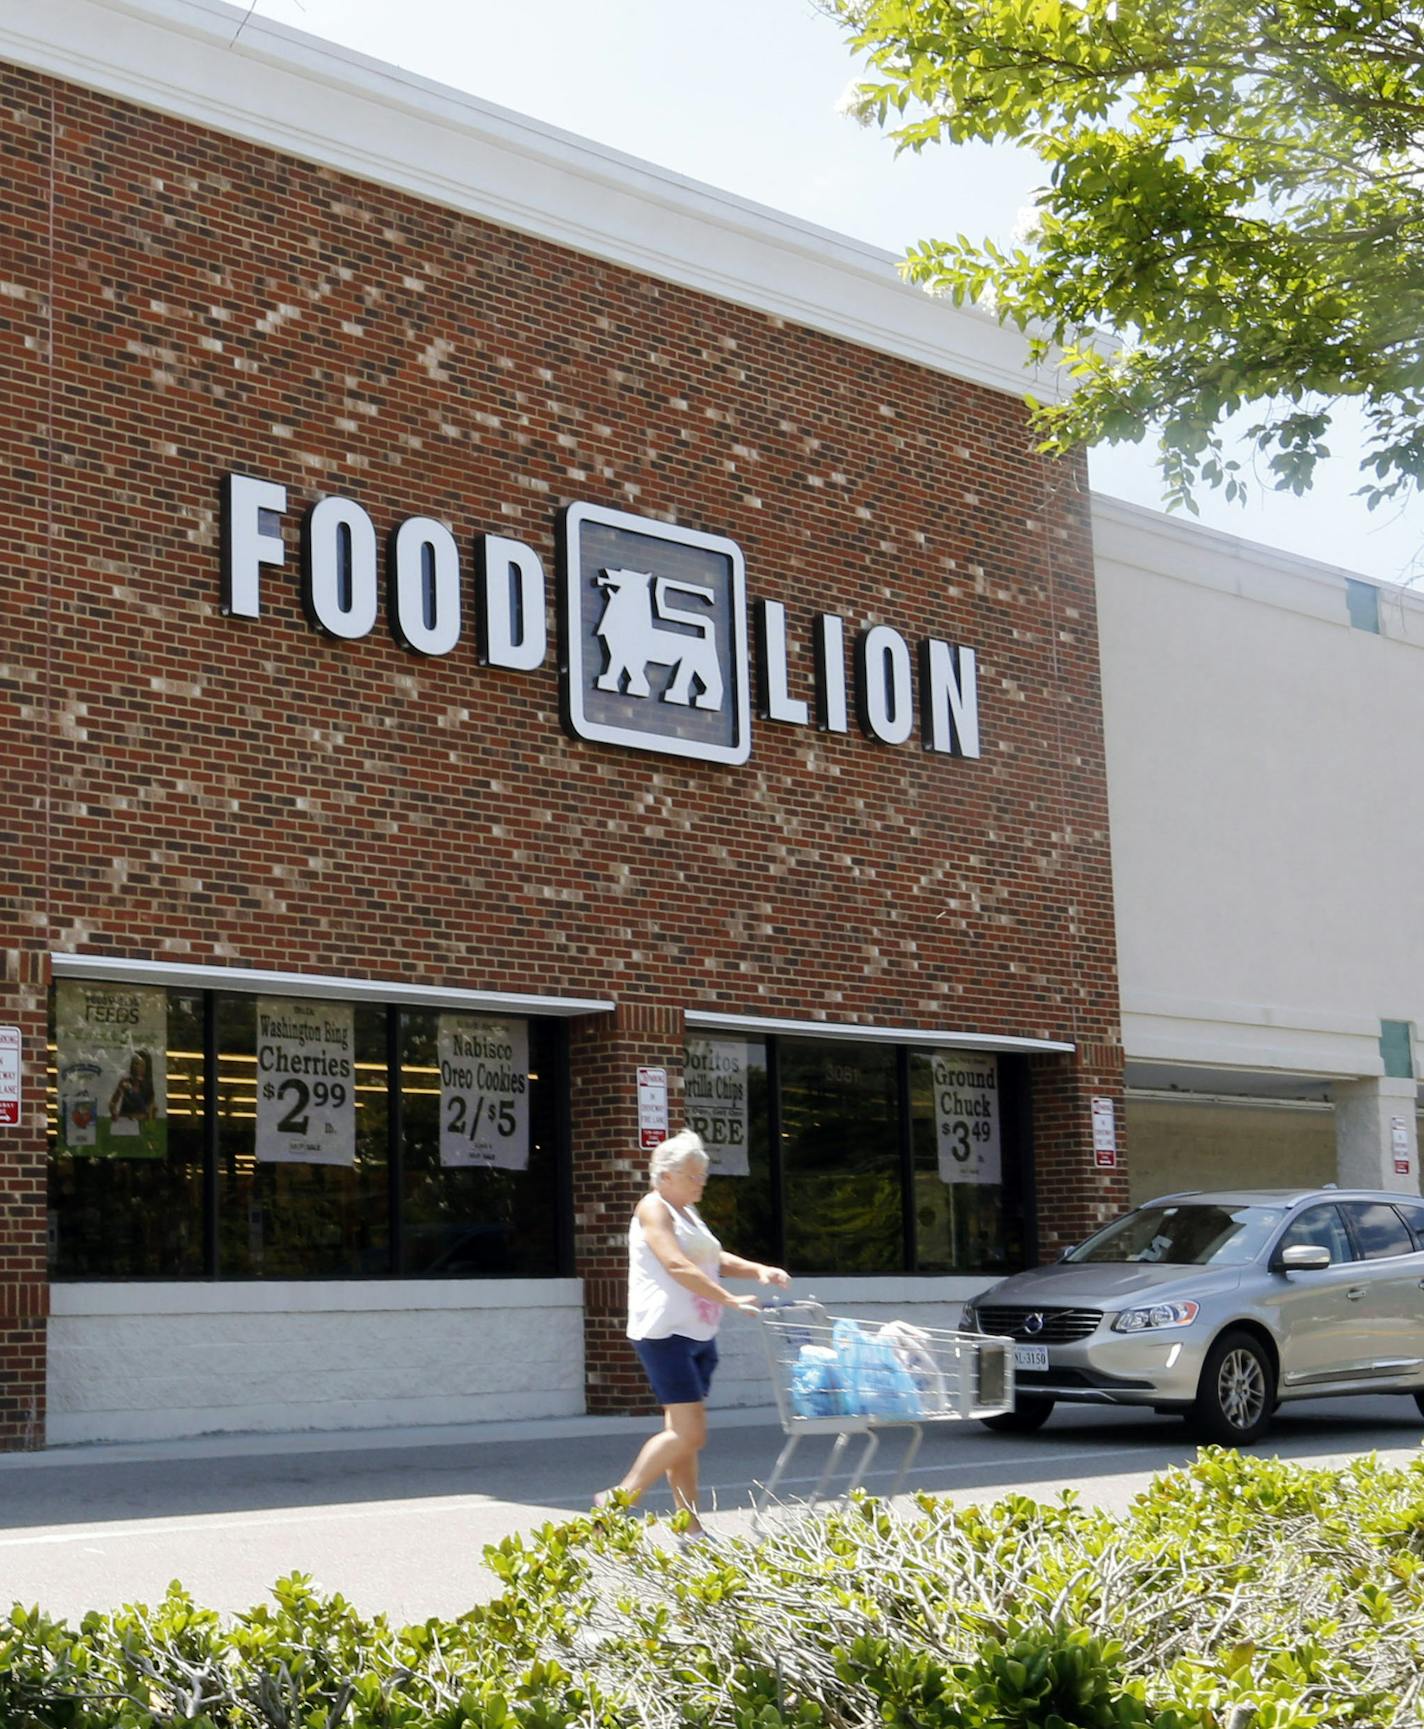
<point>126,1107</point>
<point>725,1101</point>
<point>479,1138</point>
<point>967,1202</point>
<point>840,1136</point>
<point>834,1129</point>
<point>302,1178</point>
<point>211,1133</point>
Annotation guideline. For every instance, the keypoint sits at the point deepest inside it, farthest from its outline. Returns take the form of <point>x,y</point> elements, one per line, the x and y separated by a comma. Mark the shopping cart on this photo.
<point>842,1377</point>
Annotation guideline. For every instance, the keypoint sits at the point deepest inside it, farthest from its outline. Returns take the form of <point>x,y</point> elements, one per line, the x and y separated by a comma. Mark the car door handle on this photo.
<point>1355,1292</point>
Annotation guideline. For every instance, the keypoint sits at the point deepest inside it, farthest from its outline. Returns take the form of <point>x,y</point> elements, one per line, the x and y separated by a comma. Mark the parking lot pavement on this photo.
<point>398,1522</point>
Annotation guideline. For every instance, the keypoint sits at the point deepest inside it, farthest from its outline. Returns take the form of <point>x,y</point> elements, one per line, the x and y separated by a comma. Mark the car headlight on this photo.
<point>1158,1315</point>
<point>968,1320</point>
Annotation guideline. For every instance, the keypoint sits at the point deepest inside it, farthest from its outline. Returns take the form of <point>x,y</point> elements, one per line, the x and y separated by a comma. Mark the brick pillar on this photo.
<point>610,1177</point>
<point>1075,1194</point>
<point>24,1277</point>
<point>33,545</point>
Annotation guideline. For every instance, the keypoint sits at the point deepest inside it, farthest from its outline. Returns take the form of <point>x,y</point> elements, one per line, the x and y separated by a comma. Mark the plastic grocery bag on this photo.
<point>914,1350</point>
<point>817,1383</point>
<point>877,1383</point>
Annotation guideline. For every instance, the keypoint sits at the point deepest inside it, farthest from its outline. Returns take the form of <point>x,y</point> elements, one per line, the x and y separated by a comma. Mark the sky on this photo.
<point>743,95</point>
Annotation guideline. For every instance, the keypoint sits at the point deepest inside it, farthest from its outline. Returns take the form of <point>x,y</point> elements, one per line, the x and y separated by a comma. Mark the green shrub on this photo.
<point>1238,1593</point>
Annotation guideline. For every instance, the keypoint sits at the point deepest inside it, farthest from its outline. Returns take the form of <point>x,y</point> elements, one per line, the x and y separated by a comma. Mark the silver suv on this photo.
<point>1220,1306</point>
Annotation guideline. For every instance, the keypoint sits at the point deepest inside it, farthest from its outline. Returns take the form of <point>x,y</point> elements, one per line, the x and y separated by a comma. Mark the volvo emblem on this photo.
<point>1033,1323</point>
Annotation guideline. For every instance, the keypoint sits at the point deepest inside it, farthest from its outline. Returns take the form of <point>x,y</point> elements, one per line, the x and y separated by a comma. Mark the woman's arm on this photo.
<point>734,1267</point>
<point>652,1215</point>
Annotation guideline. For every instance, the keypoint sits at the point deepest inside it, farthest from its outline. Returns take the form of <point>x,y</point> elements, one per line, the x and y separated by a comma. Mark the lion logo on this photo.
<point>637,607</point>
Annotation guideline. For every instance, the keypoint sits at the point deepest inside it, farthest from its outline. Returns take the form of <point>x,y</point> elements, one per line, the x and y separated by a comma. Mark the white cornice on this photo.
<point>211,63</point>
<point>1155,540</point>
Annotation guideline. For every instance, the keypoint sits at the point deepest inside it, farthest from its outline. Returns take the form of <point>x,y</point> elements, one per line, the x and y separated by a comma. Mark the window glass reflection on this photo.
<point>840,1136</point>
<point>725,1086</point>
<point>278,1216</point>
<point>125,1117</point>
<point>458,1103</point>
<point>968,1212</point>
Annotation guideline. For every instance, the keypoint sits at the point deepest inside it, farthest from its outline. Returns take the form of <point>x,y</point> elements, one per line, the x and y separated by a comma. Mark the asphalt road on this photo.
<point>398,1522</point>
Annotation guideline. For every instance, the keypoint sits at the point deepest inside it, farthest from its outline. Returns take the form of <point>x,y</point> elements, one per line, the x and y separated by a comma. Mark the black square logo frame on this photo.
<point>653,621</point>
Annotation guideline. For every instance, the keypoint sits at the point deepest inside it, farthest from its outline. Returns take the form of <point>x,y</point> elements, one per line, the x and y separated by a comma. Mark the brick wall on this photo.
<point>29,462</point>
<point>178,305</point>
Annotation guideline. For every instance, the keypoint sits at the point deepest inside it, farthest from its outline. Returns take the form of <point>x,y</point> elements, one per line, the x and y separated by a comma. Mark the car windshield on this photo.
<point>1192,1234</point>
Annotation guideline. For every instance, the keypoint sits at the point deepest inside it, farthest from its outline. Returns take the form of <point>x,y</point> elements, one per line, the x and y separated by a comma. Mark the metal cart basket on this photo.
<point>842,1377</point>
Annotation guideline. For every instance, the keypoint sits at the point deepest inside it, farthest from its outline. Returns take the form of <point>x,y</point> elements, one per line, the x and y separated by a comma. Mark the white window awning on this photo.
<point>183,975</point>
<point>716,1020</point>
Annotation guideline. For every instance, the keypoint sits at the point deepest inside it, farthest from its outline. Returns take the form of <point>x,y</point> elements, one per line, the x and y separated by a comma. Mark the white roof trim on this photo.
<point>181,975</point>
<point>312,99</point>
<point>713,1020</point>
<point>1153,537</point>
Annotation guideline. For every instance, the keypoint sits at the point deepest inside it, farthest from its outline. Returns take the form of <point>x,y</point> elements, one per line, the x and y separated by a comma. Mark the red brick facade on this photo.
<point>183,786</point>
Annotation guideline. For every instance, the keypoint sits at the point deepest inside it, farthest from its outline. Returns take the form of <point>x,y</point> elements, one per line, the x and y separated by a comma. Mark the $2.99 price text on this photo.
<point>298,1098</point>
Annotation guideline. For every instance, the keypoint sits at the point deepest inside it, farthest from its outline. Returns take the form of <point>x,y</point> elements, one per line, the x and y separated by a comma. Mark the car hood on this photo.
<point>1108,1284</point>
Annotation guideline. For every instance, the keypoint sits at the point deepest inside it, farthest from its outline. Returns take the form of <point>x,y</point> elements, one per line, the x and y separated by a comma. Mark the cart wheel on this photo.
<point>1027,1415</point>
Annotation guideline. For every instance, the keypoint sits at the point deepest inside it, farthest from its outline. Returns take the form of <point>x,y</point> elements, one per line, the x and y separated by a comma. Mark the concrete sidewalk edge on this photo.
<point>252,1445</point>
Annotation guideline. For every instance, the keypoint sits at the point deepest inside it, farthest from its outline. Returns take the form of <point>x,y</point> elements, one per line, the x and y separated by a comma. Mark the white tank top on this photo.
<point>658,1306</point>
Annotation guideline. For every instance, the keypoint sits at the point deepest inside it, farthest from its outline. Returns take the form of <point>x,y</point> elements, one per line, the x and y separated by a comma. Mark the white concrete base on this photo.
<point>141,1362</point>
<point>136,1363</point>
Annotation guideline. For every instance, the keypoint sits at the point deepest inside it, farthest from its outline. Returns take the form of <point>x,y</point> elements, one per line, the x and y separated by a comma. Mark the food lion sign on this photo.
<point>653,624</point>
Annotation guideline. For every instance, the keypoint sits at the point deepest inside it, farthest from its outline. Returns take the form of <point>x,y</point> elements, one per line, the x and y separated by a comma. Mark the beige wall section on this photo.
<point>1266,810</point>
<point>1197,1144</point>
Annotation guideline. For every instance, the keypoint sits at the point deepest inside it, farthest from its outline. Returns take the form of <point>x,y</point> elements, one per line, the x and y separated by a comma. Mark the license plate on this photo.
<point>1030,1356</point>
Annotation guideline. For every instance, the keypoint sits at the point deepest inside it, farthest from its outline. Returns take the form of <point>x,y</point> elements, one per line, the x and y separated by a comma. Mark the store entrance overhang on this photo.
<point>180,975</point>
<point>716,1020</point>
<point>1186,1081</point>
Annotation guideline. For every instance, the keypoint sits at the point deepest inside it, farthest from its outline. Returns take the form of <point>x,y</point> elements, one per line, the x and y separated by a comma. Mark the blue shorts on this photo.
<point>679,1368</point>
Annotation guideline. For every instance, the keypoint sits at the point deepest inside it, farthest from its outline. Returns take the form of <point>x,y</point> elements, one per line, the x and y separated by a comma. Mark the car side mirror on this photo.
<point>1304,1258</point>
<point>1066,1250</point>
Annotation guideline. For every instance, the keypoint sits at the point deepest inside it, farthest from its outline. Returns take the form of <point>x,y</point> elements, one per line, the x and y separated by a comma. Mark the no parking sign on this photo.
<point>9,1076</point>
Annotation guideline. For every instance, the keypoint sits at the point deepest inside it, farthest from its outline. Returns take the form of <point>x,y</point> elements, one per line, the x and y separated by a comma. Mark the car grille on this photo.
<point>1060,1326</point>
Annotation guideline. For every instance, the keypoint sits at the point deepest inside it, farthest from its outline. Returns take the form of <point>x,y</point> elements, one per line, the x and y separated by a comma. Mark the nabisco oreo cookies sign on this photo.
<point>653,625</point>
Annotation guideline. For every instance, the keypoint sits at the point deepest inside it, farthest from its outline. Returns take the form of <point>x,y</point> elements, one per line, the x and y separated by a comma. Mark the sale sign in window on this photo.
<point>484,1092</point>
<point>306,1082</point>
<point>112,1050</point>
<point>967,1117</point>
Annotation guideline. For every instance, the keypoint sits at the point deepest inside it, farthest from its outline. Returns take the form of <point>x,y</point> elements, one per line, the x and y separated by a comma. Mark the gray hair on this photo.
<point>679,1150</point>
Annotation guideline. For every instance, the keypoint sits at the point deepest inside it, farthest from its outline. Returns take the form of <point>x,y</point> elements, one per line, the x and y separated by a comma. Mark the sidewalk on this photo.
<point>397,1520</point>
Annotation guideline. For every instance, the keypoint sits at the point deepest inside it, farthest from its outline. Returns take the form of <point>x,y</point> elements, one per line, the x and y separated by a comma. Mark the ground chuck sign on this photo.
<point>653,624</point>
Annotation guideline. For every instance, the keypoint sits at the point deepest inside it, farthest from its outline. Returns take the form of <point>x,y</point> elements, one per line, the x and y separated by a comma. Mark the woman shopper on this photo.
<point>675,1301</point>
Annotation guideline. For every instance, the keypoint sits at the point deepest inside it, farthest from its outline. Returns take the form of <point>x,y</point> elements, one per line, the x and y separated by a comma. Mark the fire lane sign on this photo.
<point>652,1108</point>
<point>9,1077</point>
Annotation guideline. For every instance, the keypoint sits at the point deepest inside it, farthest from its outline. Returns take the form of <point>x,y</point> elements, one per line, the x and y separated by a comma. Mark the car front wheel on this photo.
<point>1028,1415</point>
<point>1237,1391</point>
<point>1419,1400</point>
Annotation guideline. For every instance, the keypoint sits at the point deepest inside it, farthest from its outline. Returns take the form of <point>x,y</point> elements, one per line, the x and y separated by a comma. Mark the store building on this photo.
<point>507,651</point>
<point>1260,710</point>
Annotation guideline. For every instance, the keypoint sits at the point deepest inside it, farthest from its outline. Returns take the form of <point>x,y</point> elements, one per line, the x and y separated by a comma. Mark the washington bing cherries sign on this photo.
<point>653,624</point>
